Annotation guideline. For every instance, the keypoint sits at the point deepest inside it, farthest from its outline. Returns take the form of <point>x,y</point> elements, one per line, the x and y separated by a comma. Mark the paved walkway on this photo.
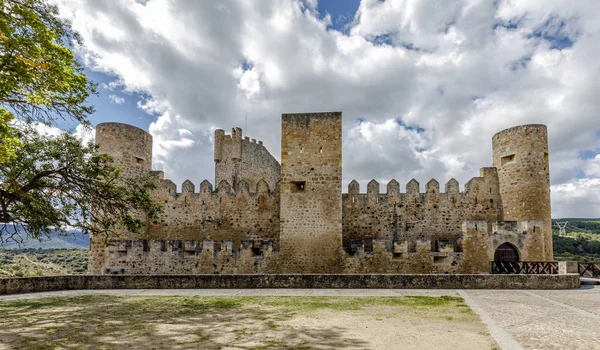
<point>518,319</point>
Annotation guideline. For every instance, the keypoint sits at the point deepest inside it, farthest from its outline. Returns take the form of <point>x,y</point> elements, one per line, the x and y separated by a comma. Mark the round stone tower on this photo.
<point>521,157</point>
<point>131,149</point>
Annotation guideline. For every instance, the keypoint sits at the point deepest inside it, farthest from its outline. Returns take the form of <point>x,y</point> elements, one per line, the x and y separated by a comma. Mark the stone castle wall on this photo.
<point>470,253</point>
<point>240,158</point>
<point>221,214</point>
<point>408,217</point>
<point>294,218</point>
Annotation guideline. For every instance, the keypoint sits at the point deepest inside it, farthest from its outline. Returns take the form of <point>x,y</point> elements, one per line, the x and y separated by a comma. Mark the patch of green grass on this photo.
<point>202,336</point>
<point>43,303</point>
<point>355,303</point>
<point>271,325</point>
<point>29,343</point>
<point>280,344</point>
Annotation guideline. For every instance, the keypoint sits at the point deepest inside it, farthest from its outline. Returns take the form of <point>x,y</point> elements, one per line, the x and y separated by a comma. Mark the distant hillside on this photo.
<point>57,240</point>
<point>579,225</point>
<point>42,262</point>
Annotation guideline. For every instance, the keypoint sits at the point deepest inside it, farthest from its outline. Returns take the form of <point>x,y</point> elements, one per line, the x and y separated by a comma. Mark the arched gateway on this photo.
<point>506,252</point>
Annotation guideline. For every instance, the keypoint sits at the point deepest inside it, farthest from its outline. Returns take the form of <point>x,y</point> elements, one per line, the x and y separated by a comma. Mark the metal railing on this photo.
<point>525,267</point>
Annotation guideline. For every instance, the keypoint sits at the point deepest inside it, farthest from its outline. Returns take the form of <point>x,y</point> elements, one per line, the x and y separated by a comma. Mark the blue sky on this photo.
<point>342,12</point>
<point>423,85</point>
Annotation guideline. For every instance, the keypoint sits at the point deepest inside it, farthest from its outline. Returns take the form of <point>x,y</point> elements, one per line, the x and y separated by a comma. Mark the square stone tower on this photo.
<point>311,192</point>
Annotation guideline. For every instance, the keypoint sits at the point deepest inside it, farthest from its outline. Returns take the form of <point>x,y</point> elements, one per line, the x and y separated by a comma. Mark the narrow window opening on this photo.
<point>298,186</point>
<point>321,149</point>
<point>412,247</point>
<point>256,251</point>
<point>507,159</point>
<point>458,247</point>
<point>301,149</point>
<point>441,259</point>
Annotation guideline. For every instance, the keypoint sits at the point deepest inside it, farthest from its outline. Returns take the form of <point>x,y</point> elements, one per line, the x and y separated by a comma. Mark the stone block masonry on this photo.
<point>521,157</point>
<point>245,281</point>
<point>131,149</point>
<point>262,217</point>
<point>240,159</point>
<point>311,193</point>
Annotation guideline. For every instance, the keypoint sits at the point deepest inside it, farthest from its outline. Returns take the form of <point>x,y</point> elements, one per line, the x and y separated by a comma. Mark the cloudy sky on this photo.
<point>423,85</point>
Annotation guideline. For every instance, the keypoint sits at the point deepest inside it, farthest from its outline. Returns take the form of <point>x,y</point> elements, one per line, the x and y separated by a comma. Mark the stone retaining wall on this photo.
<point>54,283</point>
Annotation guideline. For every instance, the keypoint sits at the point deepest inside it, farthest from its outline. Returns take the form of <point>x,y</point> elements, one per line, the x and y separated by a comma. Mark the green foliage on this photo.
<point>580,225</point>
<point>8,141</point>
<point>578,246</point>
<point>51,183</point>
<point>56,182</point>
<point>40,78</point>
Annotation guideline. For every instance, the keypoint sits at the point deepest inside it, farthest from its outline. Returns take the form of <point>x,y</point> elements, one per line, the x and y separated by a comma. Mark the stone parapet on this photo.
<point>385,281</point>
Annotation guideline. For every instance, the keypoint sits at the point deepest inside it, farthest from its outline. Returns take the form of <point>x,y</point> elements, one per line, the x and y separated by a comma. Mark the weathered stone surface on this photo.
<point>267,218</point>
<point>238,159</point>
<point>311,193</point>
<point>521,157</point>
<point>243,281</point>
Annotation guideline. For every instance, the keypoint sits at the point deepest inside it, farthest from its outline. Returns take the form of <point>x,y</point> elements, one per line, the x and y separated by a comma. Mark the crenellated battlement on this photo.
<point>190,247</point>
<point>188,188</point>
<point>473,187</point>
<point>191,256</point>
<point>230,145</point>
<point>239,158</point>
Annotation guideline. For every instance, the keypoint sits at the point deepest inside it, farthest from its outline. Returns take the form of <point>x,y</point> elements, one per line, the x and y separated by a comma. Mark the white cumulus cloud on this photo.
<point>116,99</point>
<point>423,85</point>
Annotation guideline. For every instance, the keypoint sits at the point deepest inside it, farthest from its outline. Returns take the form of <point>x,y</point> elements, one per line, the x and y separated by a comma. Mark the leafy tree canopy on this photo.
<point>8,140</point>
<point>50,183</point>
<point>40,78</point>
<point>56,182</point>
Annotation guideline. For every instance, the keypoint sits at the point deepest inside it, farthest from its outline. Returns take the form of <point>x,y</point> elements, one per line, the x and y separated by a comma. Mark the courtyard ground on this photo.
<point>234,322</point>
<point>337,318</point>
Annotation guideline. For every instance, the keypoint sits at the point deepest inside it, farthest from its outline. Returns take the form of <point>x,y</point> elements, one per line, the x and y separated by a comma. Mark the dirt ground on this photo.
<point>109,322</point>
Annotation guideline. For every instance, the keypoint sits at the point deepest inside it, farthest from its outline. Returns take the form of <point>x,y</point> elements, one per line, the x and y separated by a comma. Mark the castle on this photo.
<point>266,217</point>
